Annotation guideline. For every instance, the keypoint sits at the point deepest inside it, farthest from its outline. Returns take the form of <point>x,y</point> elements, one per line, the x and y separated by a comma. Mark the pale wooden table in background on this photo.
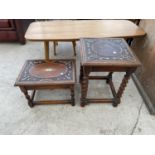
<point>73,30</point>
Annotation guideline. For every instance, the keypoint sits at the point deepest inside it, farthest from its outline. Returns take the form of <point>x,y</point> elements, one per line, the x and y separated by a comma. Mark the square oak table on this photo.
<point>105,55</point>
<point>54,74</point>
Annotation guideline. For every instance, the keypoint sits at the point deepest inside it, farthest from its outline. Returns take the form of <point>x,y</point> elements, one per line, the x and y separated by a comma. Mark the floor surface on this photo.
<point>130,117</point>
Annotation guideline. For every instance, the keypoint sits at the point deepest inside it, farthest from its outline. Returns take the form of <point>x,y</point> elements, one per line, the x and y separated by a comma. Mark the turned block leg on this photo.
<point>55,43</point>
<point>84,89</point>
<point>121,89</point>
<point>74,47</point>
<point>27,96</point>
<point>46,47</point>
<point>72,96</point>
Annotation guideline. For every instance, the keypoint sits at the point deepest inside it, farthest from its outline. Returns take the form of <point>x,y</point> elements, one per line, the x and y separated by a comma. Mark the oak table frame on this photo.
<point>55,44</point>
<point>73,30</point>
<point>110,64</point>
<point>29,79</point>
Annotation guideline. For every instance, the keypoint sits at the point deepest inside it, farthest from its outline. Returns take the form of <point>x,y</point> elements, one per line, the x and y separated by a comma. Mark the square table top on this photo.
<point>40,72</point>
<point>66,30</point>
<point>107,52</point>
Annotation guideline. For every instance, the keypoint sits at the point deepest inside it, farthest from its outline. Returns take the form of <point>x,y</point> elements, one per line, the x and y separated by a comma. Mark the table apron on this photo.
<point>69,86</point>
<point>88,69</point>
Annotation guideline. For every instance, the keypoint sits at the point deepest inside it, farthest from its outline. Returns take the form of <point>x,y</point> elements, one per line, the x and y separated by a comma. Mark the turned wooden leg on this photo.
<point>84,89</point>
<point>74,47</point>
<point>55,43</point>
<point>30,102</point>
<point>81,74</point>
<point>72,96</point>
<point>109,77</point>
<point>116,101</point>
<point>129,41</point>
<point>46,47</point>
<point>121,88</point>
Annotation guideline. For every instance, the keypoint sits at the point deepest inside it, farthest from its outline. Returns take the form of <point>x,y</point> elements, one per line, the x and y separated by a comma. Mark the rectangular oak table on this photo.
<point>54,74</point>
<point>73,30</point>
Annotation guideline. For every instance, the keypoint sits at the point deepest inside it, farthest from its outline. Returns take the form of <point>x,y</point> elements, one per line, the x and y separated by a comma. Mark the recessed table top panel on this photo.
<point>40,72</point>
<point>107,52</point>
<point>76,29</point>
<point>48,70</point>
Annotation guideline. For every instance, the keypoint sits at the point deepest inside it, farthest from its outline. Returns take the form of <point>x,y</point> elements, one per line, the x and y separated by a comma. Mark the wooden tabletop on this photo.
<point>66,30</point>
<point>107,52</point>
<point>39,72</point>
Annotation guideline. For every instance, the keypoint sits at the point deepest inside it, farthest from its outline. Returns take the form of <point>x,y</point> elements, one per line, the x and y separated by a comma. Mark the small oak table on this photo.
<point>105,55</point>
<point>54,74</point>
<point>73,30</point>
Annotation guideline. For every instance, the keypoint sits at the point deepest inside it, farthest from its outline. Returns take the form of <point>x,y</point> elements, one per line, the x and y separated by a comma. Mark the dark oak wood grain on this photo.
<point>105,55</point>
<point>40,74</point>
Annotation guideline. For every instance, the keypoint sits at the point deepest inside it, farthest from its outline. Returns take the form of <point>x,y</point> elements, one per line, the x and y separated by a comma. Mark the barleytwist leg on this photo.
<point>72,96</point>
<point>121,88</point>
<point>84,88</point>
<point>30,102</point>
<point>81,74</point>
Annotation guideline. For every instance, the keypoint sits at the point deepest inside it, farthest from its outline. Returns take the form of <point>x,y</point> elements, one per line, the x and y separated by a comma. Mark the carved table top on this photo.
<point>40,72</point>
<point>107,52</point>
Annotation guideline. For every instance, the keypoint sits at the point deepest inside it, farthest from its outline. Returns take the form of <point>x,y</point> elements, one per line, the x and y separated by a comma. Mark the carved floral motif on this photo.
<point>107,49</point>
<point>57,70</point>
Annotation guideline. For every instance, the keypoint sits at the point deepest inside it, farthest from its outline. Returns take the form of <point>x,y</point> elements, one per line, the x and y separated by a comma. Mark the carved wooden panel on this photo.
<point>109,50</point>
<point>40,71</point>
